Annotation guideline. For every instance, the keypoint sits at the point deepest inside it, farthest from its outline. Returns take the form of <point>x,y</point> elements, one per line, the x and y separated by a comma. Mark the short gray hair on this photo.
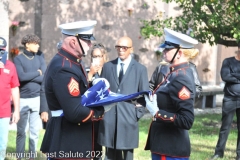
<point>59,45</point>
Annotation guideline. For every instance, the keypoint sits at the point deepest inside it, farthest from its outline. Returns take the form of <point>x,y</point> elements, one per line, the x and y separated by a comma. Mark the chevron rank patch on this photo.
<point>73,87</point>
<point>184,93</point>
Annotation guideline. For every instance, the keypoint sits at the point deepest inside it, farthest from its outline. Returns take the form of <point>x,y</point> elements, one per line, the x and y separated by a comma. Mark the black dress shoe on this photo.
<point>216,156</point>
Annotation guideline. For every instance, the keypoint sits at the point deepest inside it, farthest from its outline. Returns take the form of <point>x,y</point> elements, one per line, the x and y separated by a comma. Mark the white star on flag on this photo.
<point>97,96</point>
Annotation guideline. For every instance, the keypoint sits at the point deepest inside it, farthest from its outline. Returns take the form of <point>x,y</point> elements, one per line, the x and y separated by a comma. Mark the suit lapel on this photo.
<point>114,70</point>
<point>128,71</point>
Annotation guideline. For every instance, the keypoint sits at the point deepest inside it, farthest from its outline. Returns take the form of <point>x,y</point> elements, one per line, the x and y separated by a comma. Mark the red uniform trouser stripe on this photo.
<point>163,157</point>
<point>70,159</point>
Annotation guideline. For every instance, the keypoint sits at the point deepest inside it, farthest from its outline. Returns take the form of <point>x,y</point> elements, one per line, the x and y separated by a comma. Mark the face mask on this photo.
<point>3,56</point>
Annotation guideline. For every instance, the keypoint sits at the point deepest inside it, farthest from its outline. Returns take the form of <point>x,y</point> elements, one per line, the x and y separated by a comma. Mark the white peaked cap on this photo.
<point>183,40</point>
<point>79,27</point>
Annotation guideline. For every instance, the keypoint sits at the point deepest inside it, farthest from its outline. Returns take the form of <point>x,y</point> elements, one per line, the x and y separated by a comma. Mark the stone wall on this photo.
<point>4,29</point>
<point>42,18</point>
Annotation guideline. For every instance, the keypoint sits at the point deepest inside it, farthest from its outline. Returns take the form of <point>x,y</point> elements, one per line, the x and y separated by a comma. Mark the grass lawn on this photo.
<point>204,136</point>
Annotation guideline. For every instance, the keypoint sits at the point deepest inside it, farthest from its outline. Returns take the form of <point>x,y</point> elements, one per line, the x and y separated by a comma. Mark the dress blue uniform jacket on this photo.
<point>168,134</point>
<point>71,135</point>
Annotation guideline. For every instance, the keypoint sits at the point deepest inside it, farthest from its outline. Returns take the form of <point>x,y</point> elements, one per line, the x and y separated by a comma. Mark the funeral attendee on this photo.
<point>119,131</point>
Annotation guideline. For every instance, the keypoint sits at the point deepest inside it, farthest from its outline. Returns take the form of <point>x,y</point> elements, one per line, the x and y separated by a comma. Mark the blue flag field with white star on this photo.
<point>99,95</point>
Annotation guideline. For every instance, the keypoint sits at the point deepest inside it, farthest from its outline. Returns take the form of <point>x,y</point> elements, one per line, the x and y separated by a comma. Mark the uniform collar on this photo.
<point>178,66</point>
<point>70,56</point>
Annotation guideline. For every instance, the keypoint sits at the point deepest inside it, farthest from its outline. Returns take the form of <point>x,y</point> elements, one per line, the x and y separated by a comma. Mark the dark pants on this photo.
<point>97,147</point>
<point>115,154</point>
<point>229,108</point>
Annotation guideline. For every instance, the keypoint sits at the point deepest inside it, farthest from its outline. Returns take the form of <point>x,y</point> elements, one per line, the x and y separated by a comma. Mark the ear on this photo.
<point>131,50</point>
<point>27,45</point>
<point>180,52</point>
<point>72,43</point>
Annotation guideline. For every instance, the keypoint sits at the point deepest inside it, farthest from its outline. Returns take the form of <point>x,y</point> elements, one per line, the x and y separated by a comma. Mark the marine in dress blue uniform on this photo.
<point>172,105</point>
<point>70,131</point>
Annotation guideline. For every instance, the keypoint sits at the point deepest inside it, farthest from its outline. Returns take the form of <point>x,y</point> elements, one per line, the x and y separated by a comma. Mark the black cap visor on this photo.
<point>167,44</point>
<point>87,37</point>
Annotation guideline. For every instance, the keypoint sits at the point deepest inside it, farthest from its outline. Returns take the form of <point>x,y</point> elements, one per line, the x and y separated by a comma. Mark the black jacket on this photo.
<point>30,79</point>
<point>161,72</point>
<point>72,134</point>
<point>230,75</point>
<point>168,134</point>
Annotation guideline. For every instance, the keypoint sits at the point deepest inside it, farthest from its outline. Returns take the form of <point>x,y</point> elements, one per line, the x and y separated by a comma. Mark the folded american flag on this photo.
<point>99,95</point>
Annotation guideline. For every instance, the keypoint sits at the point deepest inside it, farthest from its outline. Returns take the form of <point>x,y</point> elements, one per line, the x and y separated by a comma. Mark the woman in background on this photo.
<point>98,58</point>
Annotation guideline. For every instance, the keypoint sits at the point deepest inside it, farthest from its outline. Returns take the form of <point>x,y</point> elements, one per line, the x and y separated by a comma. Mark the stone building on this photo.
<point>42,17</point>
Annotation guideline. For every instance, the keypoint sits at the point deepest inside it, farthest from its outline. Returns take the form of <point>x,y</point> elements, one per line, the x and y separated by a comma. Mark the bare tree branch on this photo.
<point>236,9</point>
<point>193,2</point>
<point>228,43</point>
<point>211,8</point>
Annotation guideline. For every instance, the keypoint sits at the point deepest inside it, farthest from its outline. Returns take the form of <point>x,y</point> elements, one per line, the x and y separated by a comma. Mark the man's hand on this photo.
<point>15,117</point>
<point>44,116</point>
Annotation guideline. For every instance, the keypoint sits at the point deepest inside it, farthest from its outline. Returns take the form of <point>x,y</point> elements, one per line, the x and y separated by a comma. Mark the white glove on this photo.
<point>152,105</point>
<point>108,107</point>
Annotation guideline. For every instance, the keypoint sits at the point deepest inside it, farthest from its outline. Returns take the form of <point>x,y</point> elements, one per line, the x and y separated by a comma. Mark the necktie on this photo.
<point>121,73</point>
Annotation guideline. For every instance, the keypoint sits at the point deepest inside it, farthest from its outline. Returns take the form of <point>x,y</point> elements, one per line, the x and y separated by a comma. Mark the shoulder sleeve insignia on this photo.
<point>184,93</point>
<point>73,87</point>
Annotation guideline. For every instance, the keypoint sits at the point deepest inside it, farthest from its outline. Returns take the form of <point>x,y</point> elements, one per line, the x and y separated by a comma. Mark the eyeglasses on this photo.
<point>124,48</point>
<point>98,45</point>
<point>97,56</point>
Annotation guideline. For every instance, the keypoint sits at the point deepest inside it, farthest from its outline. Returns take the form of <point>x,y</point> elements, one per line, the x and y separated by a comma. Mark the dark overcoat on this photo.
<point>70,135</point>
<point>124,115</point>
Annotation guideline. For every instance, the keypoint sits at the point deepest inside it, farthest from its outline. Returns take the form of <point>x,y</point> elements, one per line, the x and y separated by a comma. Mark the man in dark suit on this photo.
<point>126,76</point>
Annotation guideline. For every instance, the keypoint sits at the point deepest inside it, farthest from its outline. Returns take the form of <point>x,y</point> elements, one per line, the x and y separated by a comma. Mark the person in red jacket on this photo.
<point>9,87</point>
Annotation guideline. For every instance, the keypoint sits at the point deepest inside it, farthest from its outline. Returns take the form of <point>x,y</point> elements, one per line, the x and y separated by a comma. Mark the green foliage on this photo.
<point>154,27</point>
<point>212,21</point>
